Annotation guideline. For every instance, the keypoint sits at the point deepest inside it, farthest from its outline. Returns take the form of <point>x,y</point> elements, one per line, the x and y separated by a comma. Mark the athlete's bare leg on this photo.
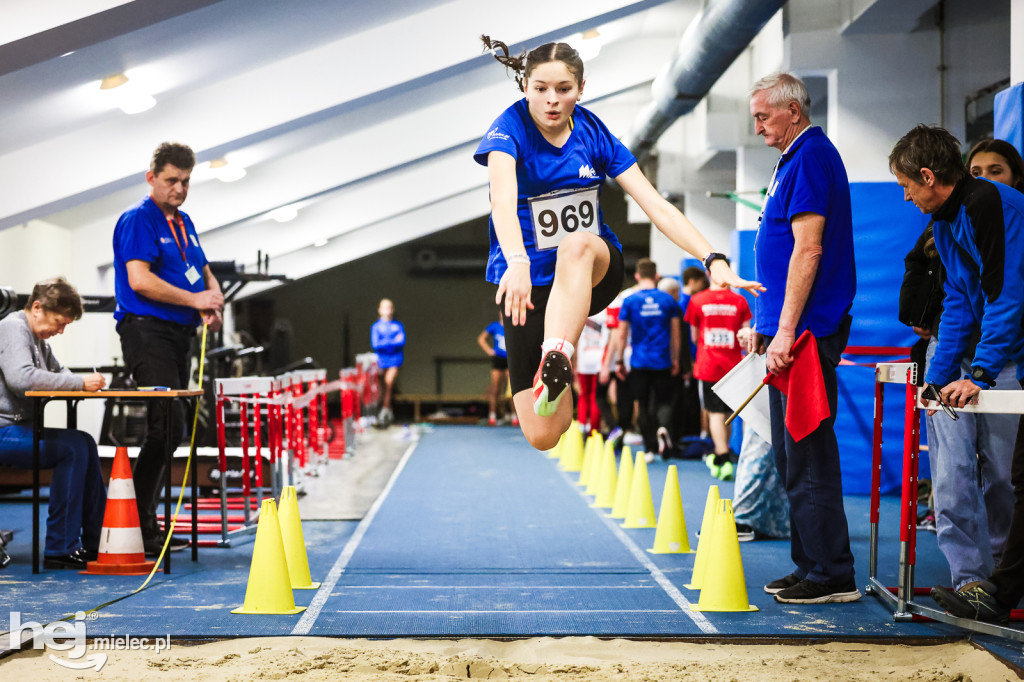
<point>583,261</point>
<point>389,381</point>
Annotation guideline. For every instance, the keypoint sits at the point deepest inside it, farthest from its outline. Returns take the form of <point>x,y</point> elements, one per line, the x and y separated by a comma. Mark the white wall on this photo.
<point>40,250</point>
<point>1017,42</point>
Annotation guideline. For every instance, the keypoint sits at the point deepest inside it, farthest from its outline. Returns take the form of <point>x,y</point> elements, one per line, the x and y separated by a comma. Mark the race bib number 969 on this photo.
<point>560,213</point>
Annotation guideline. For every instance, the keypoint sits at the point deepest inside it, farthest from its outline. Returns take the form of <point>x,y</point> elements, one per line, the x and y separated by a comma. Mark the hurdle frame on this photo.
<point>903,605</point>
<point>246,388</point>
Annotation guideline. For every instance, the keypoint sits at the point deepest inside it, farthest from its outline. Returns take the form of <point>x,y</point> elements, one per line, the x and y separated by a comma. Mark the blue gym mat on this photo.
<point>480,535</point>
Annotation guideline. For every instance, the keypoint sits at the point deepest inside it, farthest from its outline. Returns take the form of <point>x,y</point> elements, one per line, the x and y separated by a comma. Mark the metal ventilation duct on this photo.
<point>710,44</point>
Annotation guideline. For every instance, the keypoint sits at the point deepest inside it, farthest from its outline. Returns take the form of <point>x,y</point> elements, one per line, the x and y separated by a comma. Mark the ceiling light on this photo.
<point>226,172</point>
<point>284,213</point>
<point>127,96</point>
<point>588,44</point>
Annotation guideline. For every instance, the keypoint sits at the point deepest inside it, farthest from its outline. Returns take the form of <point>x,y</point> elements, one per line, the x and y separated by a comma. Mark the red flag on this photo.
<point>807,404</point>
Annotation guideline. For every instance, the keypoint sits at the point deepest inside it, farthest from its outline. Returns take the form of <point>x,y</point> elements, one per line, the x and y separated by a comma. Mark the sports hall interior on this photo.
<point>334,142</point>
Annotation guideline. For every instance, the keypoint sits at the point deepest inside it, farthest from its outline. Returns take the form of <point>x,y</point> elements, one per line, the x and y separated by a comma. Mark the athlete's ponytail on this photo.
<point>524,64</point>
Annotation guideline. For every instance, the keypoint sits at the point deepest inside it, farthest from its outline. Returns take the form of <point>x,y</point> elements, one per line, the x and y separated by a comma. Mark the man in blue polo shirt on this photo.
<point>653,317</point>
<point>804,256</point>
<point>164,289</point>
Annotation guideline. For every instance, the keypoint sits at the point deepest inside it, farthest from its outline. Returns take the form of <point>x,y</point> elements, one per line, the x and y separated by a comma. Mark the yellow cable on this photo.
<point>188,464</point>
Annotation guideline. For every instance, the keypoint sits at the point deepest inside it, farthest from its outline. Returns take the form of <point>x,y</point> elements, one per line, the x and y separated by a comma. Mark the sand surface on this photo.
<point>539,659</point>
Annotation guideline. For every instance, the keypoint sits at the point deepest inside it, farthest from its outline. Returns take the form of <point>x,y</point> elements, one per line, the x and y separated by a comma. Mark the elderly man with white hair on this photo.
<point>804,256</point>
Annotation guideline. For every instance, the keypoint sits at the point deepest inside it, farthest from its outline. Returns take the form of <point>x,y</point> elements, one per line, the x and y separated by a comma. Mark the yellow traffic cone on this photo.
<point>608,479</point>
<point>588,459</point>
<point>671,536</point>
<point>725,588</point>
<point>269,590</point>
<point>294,542</point>
<point>624,482</point>
<point>640,513</point>
<point>572,451</point>
<point>594,477</point>
<point>707,530</point>
<point>556,452</point>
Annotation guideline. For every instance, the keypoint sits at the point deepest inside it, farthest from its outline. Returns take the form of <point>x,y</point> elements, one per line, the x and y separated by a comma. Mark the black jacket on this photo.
<point>921,293</point>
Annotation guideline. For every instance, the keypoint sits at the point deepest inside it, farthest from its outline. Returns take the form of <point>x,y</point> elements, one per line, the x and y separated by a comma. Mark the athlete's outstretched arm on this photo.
<point>515,285</point>
<point>674,225</point>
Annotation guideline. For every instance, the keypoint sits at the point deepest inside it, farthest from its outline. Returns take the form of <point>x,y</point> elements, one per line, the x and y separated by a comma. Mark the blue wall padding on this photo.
<point>855,428</point>
<point>1009,116</point>
<point>885,228</point>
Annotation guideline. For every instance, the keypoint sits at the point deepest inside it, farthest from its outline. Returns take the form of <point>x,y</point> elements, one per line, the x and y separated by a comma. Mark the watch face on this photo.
<point>977,373</point>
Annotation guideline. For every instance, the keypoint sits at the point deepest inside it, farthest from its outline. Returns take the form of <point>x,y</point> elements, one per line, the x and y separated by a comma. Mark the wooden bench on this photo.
<point>438,399</point>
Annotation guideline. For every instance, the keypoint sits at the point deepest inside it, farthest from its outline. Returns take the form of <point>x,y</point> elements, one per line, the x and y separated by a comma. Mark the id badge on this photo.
<point>192,275</point>
<point>560,213</point>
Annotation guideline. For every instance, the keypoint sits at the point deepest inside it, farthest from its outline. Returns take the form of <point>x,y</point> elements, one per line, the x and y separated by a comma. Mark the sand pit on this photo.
<point>576,659</point>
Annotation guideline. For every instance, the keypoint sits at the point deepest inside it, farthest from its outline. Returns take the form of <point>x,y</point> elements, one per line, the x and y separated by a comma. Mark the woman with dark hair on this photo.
<point>998,161</point>
<point>552,257</point>
<point>77,493</point>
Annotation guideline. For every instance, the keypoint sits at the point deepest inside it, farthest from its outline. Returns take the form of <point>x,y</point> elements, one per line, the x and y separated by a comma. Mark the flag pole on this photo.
<point>745,402</point>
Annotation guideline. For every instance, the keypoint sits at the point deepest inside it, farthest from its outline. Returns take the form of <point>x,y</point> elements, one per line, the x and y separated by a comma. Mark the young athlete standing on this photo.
<point>554,260</point>
<point>387,337</point>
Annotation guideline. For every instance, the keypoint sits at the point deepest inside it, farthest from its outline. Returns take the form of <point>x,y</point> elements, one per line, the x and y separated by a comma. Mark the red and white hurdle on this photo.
<point>901,598</point>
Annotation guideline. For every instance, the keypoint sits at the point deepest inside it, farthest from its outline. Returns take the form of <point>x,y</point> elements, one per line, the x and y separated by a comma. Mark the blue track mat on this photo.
<point>480,535</point>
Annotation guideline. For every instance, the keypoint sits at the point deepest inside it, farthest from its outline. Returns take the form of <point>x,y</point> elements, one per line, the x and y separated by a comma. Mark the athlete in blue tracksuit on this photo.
<point>979,234</point>
<point>387,337</point>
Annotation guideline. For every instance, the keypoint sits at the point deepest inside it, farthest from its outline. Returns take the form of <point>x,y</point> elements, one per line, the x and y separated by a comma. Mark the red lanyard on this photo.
<point>184,236</point>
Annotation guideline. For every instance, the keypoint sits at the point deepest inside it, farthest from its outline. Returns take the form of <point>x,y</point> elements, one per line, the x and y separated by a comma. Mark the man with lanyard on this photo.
<point>804,255</point>
<point>164,289</point>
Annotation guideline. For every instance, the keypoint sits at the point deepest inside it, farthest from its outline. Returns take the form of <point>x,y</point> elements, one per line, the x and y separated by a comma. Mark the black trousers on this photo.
<point>810,471</point>
<point>1009,575</point>
<point>652,390</point>
<point>156,354</point>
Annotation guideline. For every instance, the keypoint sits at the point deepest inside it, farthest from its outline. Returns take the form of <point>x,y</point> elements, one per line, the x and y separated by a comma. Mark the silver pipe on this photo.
<point>711,43</point>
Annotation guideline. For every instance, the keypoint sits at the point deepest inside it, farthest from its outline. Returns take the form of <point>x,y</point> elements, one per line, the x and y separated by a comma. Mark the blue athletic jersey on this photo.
<point>497,332</point>
<point>142,233</point>
<point>387,338</point>
<point>979,234</point>
<point>810,178</point>
<point>590,155</point>
<point>649,313</point>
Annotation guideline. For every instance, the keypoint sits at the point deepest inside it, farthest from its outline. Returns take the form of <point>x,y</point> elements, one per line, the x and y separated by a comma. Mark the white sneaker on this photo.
<point>648,457</point>
<point>632,439</point>
<point>664,440</point>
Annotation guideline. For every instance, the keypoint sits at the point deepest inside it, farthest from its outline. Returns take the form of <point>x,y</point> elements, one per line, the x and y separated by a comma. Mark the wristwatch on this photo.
<point>979,374</point>
<point>712,257</point>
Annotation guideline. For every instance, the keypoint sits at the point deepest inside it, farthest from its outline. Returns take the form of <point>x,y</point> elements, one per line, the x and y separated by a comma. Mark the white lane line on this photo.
<point>671,590</point>
<point>559,611</point>
<point>309,617</point>
<point>500,587</point>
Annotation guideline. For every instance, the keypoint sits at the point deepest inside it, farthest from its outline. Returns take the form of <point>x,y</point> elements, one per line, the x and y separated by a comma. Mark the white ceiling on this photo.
<point>364,114</point>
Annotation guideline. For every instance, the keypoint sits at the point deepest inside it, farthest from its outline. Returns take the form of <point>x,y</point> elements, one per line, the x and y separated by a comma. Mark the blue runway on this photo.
<point>479,535</point>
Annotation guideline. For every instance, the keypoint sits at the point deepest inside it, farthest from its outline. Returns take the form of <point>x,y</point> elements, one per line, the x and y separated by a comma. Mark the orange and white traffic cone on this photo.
<point>121,551</point>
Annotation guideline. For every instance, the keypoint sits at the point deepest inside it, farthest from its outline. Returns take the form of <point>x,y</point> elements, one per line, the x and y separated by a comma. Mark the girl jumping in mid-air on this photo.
<point>554,260</point>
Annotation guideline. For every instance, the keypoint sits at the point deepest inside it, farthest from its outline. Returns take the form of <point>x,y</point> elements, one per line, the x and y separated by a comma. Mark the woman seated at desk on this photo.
<point>77,493</point>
